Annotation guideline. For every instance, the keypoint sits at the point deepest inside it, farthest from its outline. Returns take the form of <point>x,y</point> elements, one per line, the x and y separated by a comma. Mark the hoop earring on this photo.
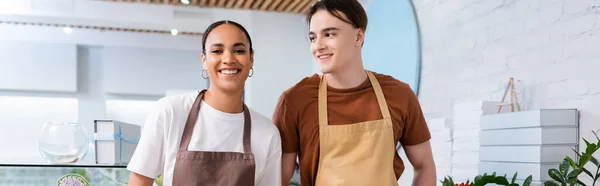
<point>205,77</point>
<point>252,72</point>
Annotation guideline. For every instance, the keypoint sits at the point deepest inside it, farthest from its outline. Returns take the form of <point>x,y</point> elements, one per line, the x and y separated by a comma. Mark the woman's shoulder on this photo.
<point>263,122</point>
<point>263,127</point>
<point>176,103</point>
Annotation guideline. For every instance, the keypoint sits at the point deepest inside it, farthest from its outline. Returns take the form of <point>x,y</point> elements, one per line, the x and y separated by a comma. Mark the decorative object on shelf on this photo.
<point>115,141</point>
<point>63,142</point>
<point>485,179</point>
<point>72,180</point>
<point>514,100</point>
<point>566,177</point>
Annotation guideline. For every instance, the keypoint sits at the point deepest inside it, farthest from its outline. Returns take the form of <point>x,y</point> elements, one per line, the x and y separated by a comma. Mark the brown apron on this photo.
<point>197,168</point>
<point>359,154</point>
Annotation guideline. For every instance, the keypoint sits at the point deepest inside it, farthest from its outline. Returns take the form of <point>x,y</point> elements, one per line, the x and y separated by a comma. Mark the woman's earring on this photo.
<point>251,72</point>
<point>205,77</point>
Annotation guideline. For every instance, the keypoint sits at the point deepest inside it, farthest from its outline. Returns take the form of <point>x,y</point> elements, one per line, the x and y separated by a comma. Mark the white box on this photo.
<point>466,118</point>
<point>465,144</point>
<point>439,124</point>
<point>461,174</point>
<point>567,118</point>
<point>467,158</point>
<point>467,133</point>
<point>442,172</point>
<point>526,154</point>
<point>442,160</point>
<point>441,147</point>
<point>115,141</point>
<point>442,136</point>
<point>529,136</point>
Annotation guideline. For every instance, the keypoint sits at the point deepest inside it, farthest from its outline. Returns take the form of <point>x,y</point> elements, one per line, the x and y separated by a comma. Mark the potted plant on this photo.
<point>485,179</point>
<point>563,176</point>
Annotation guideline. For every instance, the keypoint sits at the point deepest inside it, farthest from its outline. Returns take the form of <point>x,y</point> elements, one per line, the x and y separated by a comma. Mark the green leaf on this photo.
<point>528,180</point>
<point>581,183</point>
<point>574,173</point>
<point>572,177</point>
<point>587,143</point>
<point>572,181</point>
<point>564,168</point>
<point>514,178</point>
<point>477,178</point>
<point>555,174</point>
<point>501,180</point>
<point>571,162</point>
<point>549,183</point>
<point>587,172</point>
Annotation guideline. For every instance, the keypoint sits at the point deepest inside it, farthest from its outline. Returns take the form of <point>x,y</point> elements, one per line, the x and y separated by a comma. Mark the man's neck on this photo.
<point>347,78</point>
<point>228,102</point>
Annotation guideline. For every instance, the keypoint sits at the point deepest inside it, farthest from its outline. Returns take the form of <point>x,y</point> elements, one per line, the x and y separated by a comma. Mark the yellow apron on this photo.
<point>360,154</point>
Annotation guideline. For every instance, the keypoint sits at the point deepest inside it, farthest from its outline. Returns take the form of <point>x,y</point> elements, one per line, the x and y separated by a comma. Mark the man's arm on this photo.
<point>286,121</point>
<point>421,158</point>
<point>288,165</point>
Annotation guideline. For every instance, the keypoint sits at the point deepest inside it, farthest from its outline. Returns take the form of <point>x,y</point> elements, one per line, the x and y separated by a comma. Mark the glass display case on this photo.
<point>41,174</point>
<point>25,174</point>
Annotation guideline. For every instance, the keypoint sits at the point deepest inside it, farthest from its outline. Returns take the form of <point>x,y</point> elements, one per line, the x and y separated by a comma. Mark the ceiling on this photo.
<point>290,6</point>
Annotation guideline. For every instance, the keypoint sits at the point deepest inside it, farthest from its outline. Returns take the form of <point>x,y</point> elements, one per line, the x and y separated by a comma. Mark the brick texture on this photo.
<point>472,47</point>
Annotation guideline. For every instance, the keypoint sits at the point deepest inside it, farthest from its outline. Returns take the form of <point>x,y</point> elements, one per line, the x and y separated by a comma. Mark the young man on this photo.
<point>344,126</point>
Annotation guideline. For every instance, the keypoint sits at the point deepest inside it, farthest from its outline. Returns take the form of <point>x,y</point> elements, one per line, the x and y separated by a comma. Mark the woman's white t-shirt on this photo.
<point>214,131</point>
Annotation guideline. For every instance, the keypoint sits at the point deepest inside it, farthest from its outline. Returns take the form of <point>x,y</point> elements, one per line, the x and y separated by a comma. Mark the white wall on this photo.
<point>472,47</point>
<point>46,62</point>
<point>282,57</point>
<point>147,71</point>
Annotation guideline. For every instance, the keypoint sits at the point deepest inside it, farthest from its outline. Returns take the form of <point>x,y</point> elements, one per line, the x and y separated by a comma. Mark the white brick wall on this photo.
<point>472,47</point>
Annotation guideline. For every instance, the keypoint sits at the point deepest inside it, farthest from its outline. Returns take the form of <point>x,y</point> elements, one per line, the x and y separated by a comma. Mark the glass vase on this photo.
<point>63,142</point>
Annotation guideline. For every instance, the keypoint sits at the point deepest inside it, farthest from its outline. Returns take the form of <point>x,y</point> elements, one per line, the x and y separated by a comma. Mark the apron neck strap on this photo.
<point>378,93</point>
<point>385,112</point>
<point>247,131</point>
<point>193,117</point>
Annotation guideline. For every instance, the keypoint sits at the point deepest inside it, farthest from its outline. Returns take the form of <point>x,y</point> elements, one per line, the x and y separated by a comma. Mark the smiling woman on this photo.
<point>211,128</point>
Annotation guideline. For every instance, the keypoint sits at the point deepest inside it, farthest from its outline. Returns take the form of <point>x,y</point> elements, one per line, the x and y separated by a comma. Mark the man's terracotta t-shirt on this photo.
<point>296,116</point>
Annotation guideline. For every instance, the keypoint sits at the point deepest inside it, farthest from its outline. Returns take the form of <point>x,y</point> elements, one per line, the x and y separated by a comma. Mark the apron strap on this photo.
<point>323,99</point>
<point>323,122</point>
<point>190,122</point>
<point>247,130</point>
<point>385,112</point>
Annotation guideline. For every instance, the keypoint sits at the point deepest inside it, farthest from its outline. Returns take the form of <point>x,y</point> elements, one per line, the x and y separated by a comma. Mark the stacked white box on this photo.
<point>465,137</point>
<point>441,145</point>
<point>527,142</point>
